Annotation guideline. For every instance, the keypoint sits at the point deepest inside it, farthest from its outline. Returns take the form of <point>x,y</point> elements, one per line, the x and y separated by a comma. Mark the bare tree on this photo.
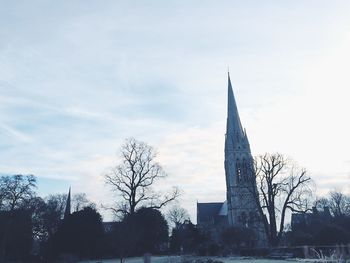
<point>3,192</point>
<point>281,186</point>
<point>80,200</point>
<point>177,215</point>
<point>339,203</point>
<point>38,208</point>
<point>134,177</point>
<point>321,203</point>
<point>16,191</point>
<point>57,203</point>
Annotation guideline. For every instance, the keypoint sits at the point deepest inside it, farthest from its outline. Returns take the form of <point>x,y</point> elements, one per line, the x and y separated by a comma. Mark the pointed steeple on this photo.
<point>238,160</point>
<point>233,125</point>
<point>67,210</point>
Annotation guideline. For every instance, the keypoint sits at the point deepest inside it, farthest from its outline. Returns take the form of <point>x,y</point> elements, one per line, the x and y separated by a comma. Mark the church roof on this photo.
<point>223,209</point>
<point>208,211</point>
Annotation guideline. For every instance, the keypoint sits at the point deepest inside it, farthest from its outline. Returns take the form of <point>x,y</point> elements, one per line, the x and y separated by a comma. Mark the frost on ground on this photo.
<point>185,259</point>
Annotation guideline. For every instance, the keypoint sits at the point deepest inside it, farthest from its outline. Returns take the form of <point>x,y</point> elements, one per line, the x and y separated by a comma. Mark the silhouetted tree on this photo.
<point>15,234</point>
<point>318,232</point>
<point>300,237</point>
<point>134,177</point>
<point>16,191</point>
<point>80,201</point>
<point>339,203</point>
<point>57,202</point>
<point>331,234</point>
<point>235,237</point>
<point>144,231</point>
<point>186,238</point>
<point>123,239</point>
<point>176,215</point>
<point>281,186</point>
<point>3,192</point>
<point>324,226</point>
<point>46,215</point>
<point>152,230</point>
<point>321,203</point>
<point>80,234</point>
<point>38,209</point>
<point>175,243</point>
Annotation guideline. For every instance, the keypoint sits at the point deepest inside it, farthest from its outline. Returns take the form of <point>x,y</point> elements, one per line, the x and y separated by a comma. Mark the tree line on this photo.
<point>35,227</point>
<point>32,226</point>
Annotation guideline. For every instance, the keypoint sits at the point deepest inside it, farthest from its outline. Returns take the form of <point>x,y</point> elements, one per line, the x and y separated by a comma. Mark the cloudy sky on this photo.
<point>78,77</point>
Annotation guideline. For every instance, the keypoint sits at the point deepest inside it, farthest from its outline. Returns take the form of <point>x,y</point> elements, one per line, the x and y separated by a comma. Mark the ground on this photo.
<point>179,259</point>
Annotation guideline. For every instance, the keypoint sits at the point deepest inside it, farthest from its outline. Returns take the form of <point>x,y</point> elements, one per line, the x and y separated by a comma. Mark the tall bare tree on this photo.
<point>281,186</point>
<point>134,177</point>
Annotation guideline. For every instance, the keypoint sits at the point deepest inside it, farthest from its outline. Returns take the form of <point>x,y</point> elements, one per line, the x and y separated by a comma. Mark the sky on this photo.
<point>78,77</point>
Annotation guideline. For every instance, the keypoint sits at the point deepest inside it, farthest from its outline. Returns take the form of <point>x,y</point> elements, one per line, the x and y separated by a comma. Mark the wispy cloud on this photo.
<point>14,134</point>
<point>76,78</point>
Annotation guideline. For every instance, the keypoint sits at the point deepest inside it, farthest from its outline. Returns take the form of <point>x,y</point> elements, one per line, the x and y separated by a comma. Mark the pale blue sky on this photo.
<point>77,77</point>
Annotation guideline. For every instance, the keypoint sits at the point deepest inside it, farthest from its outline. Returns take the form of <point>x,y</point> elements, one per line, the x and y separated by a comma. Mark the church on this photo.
<point>241,206</point>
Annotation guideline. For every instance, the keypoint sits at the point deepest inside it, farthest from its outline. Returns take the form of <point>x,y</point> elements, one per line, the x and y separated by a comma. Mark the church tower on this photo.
<point>242,209</point>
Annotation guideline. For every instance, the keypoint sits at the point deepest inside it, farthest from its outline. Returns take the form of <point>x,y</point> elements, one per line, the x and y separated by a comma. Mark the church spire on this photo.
<point>67,210</point>
<point>238,160</point>
<point>233,125</point>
